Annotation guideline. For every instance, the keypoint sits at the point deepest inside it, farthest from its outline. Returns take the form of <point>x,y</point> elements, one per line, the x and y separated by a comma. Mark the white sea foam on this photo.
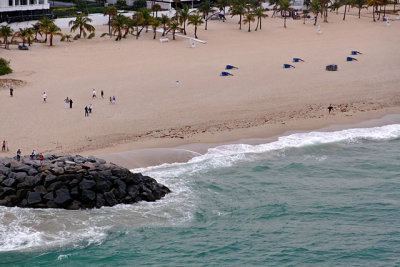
<point>227,155</point>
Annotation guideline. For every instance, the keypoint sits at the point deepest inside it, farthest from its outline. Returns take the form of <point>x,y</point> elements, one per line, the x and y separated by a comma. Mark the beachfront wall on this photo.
<point>295,4</point>
<point>20,10</point>
<point>168,4</point>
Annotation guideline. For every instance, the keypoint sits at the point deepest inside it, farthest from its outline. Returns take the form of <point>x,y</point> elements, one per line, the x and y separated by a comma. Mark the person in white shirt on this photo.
<point>44,97</point>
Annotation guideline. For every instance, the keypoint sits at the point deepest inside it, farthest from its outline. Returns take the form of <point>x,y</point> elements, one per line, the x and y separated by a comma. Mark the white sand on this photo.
<point>262,99</point>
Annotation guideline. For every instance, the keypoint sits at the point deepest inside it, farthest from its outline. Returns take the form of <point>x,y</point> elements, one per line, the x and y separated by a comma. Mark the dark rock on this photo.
<point>100,201</point>
<point>22,193</point>
<point>75,192</point>
<point>74,182</point>
<point>56,185</point>
<point>58,170</point>
<point>10,182</point>
<point>133,191</point>
<point>32,181</point>
<point>119,172</point>
<point>88,195</point>
<point>41,190</point>
<point>33,198</point>
<point>75,205</point>
<point>110,198</point>
<point>51,204</point>
<point>62,197</point>
<point>20,176</point>
<point>103,186</point>
<point>32,172</point>
<point>4,170</point>
<point>21,168</point>
<point>49,179</point>
<point>49,196</point>
<point>87,184</point>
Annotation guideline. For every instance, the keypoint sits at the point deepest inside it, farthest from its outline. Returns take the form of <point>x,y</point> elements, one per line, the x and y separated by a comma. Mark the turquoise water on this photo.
<point>320,199</point>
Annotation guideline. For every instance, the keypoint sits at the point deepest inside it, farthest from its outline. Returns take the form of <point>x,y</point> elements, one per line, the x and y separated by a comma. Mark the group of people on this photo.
<point>88,110</point>
<point>68,102</point>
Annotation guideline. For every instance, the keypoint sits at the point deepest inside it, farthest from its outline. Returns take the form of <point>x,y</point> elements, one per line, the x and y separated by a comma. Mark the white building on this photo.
<point>20,10</point>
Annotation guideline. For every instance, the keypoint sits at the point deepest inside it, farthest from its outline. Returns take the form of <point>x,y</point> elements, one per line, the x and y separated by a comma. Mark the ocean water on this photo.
<point>307,199</point>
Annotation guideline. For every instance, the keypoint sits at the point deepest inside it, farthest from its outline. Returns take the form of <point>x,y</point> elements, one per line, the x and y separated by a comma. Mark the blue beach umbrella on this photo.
<point>226,74</point>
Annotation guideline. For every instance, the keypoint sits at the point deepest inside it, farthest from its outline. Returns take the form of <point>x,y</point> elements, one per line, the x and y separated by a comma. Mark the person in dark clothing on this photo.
<point>102,94</point>
<point>11,91</point>
<point>86,111</point>
<point>70,103</point>
<point>330,108</point>
<point>19,155</point>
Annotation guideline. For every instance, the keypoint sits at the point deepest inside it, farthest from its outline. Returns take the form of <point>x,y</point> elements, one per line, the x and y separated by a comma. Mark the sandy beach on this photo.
<point>261,100</point>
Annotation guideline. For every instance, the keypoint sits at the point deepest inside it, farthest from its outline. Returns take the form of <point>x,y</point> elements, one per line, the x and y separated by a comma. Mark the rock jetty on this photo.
<point>72,182</point>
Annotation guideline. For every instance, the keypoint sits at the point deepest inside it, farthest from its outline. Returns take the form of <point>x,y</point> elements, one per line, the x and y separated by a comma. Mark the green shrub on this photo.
<point>139,4</point>
<point>4,66</point>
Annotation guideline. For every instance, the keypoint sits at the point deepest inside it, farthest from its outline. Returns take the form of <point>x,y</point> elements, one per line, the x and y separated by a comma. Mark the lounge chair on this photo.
<point>287,66</point>
<point>229,67</point>
<point>295,59</point>
<point>351,59</point>
<point>331,67</point>
<point>355,53</point>
<point>226,74</point>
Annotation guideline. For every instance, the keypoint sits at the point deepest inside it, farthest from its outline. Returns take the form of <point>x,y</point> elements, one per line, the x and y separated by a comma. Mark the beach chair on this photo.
<point>351,59</point>
<point>229,67</point>
<point>355,53</point>
<point>226,74</point>
<point>288,66</point>
<point>331,67</point>
<point>295,59</point>
<point>163,40</point>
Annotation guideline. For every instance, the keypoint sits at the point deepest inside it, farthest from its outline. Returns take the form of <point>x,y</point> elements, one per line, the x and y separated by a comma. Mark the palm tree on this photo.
<point>205,8</point>
<point>23,34</point>
<point>5,32</point>
<point>374,4</point>
<point>155,24</point>
<point>183,14</point>
<point>335,6</point>
<point>315,8</point>
<point>156,8</point>
<point>346,3</point>
<point>284,6</point>
<point>259,13</point>
<point>238,9</point>
<point>111,11</point>
<point>164,21</point>
<point>359,4</point>
<point>81,22</point>
<point>222,4</point>
<point>174,26</point>
<point>129,24</point>
<point>305,13</point>
<point>36,30</point>
<point>44,24</point>
<point>68,37</point>
<point>138,20</point>
<point>52,30</point>
<point>117,25</point>
<point>248,18</point>
<point>195,20</point>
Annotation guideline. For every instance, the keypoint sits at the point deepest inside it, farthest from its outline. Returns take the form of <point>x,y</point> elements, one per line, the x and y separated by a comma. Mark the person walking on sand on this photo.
<point>90,109</point>
<point>86,111</point>
<point>11,91</point>
<point>70,103</point>
<point>110,99</point>
<point>113,100</point>
<point>66,101</point>
<point>3,146</point>
<point>102,94</point>
<point>18,154</point>
<point>94,94</point>
<point>330,108</point>
<point>33,155</point>
<point>44,97</point>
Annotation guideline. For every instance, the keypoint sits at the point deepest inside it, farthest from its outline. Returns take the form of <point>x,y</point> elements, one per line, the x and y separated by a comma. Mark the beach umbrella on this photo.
<point>229,67</point>
<point>288,66</point>
<point>226,74</point>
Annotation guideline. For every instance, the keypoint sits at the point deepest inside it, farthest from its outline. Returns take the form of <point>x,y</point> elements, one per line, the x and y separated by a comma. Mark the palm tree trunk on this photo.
<point>315,20</point>
<point>373,13</point>
<point>195,32</point>
<point>284,23</point>
<point>359,12</point>
<point>380,10</point>
<point>184,27</point>
<point>304,17</point>
<point>344,14</point>
<point>51,40</point>
<point>45,39</point>
<point>240,22</point>
<point>80,32</point>
<point>163,33</point>
<point>173,34</point>
<point>258,22</point>
<point>206,24</point>
<point>249,26</point>
<point>109,25</point>
<point>155,31</point>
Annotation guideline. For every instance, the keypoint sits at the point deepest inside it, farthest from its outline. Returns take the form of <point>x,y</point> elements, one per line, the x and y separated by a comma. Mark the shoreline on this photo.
<point>154,156</point>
